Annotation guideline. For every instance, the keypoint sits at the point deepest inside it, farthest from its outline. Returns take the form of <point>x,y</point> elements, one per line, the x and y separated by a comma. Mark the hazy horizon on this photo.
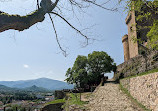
<point>33,79</point>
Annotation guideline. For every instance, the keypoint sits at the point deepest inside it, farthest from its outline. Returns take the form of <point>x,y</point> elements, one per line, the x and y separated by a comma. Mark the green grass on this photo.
<point>133,99</point>
<point>74,99</point>
<point>144,73</point>
<point>56,101</point>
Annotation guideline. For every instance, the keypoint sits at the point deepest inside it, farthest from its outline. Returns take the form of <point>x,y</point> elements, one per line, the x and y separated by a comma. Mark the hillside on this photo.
<point>46,83</point>
<point>34,88</point>
<point>4,88</point>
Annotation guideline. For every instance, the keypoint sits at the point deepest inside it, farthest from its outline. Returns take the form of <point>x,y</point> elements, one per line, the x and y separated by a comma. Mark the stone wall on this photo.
<point>137,65</point>
<point>144,89</point>
<point>59,94</point>
<point>53,107</point>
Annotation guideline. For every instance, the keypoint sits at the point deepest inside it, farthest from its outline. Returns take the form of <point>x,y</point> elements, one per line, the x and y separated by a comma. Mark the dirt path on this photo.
<point>110,98</point>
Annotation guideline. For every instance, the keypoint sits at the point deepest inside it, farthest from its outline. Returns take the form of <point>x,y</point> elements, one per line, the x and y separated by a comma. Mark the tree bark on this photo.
<point>21,23</point>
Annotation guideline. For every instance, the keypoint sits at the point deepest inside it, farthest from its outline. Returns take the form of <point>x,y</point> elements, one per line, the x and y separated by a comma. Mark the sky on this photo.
<point>34,53</point>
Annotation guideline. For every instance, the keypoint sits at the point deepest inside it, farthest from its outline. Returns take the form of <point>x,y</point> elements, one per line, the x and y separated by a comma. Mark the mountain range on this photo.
<point>33,88</point>
<point>44,83</point>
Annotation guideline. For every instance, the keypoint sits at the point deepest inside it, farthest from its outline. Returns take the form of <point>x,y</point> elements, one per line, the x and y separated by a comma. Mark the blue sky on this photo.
<point>34,53</point>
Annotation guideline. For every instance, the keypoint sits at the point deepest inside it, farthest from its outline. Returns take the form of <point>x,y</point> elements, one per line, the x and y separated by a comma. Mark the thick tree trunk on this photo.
<point>21,23</point>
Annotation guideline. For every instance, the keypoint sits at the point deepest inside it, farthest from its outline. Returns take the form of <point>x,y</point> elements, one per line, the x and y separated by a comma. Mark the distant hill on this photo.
<point>46,83</point>
<point>30,89</point>
<point>34,88</point>
<point>4,88</point>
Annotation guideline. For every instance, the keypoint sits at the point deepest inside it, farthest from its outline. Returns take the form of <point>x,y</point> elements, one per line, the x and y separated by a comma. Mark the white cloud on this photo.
<point>26,66</point>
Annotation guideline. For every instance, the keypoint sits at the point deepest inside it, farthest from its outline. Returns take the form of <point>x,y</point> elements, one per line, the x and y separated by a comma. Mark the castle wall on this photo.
<point>137,65</point>
<point>53,107</point>
<point>144,89</point>
<point>132,34</point>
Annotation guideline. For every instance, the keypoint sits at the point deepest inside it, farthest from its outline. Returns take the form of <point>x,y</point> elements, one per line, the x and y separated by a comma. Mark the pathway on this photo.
<point>110,98</point>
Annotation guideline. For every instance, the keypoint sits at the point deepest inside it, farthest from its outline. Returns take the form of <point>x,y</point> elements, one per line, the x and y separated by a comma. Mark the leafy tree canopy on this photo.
<point>89,70</point>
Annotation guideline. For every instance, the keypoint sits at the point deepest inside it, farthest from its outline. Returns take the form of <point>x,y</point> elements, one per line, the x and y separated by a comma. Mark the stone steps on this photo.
<point>110,98</point>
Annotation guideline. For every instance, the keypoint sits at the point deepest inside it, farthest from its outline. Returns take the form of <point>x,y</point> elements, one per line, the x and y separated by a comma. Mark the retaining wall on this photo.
<point>137,65</point>
<point>53,107</point>
<point>144,89</point>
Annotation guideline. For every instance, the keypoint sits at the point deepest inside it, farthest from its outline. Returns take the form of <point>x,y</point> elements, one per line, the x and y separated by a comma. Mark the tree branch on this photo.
<point>64,52</point>
<point>101,6</point>
<point>72,26</point>
<point>38,4</point>
<point>21,23</point>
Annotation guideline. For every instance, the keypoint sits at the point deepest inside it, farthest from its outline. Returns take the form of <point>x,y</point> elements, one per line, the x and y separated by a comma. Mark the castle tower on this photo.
<point>135,33</point>
<point>130,45</point>
<point>132,34</point>
<point>126,47</point>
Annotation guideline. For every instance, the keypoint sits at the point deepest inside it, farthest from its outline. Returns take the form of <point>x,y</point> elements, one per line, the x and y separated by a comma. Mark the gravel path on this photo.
<point>110,98</point>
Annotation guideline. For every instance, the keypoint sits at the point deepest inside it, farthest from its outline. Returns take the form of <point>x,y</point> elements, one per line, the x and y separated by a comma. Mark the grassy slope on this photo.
<point>56,101</point>
<point>74,99</point>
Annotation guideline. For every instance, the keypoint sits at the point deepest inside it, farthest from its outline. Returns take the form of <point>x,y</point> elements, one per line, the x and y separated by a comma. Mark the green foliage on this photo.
<point>153,35</point>
<point>90,69</point>
<point>99,63</point>
<point>74,99</point>
<point>78,74</point>
<point>146,11</point>
<point>15,108</point>
<point>56,101</point>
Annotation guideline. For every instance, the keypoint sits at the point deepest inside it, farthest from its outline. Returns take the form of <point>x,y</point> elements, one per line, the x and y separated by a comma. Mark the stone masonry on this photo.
<point>132,48</point>
<point>144,89</point>
<point>137,65</point>
<point>110,98</point>
<point>132,33</point>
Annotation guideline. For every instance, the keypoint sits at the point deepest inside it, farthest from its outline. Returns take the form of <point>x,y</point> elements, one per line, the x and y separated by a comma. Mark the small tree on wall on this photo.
<point>89,70</point>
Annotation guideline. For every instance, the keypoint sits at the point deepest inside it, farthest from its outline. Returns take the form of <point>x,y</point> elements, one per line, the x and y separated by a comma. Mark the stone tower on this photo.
<point>126,47</point>
<point>129,45</point>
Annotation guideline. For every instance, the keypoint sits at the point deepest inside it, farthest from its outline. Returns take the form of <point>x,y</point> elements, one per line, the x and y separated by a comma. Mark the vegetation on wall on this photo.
<point>147,11</point>
<point>144,73</point>
<point>56,101</point>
